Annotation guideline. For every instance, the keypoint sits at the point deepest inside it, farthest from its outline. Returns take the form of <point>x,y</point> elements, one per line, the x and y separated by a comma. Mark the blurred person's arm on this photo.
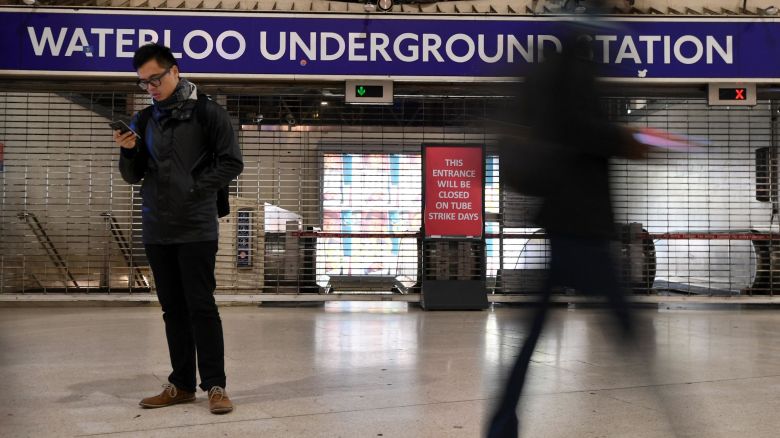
<point>563,105</point>
<point>631,148</point>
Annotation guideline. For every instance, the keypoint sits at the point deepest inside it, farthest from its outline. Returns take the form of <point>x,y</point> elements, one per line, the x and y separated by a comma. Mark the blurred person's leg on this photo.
<point>592,270</point>
<point>585,264</point>
<point>504,422</point>
<point>596,273</point>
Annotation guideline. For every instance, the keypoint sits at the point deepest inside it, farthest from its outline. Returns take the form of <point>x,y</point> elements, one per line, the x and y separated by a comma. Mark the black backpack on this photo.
<point>223,194</point>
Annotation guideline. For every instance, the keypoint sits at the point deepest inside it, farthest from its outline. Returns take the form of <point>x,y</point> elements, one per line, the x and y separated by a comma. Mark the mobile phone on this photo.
<point>122,127</point>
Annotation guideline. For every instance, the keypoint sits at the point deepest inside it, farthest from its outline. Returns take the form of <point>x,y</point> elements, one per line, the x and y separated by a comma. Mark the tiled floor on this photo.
<point>385,370</point>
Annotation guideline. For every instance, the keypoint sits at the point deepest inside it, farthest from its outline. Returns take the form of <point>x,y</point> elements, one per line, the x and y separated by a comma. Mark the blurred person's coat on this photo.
<point>568,145</point>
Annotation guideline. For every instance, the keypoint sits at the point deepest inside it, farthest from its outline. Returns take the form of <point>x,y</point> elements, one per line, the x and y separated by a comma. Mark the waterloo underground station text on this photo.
<point>406,47</point>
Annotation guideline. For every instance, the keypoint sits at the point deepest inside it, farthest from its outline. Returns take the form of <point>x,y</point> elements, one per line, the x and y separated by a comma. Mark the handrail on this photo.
<point>48,246</point>
<point>125,248</point>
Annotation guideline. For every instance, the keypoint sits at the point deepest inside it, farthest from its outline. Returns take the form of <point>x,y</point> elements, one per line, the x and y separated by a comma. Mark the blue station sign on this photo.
<point>99,42</point>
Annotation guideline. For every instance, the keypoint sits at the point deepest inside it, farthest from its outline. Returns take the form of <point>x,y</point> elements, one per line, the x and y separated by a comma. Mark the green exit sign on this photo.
<point>369,91</point>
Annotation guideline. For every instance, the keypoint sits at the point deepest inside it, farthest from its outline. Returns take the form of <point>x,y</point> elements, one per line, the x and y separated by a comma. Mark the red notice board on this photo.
<point>453,191</point>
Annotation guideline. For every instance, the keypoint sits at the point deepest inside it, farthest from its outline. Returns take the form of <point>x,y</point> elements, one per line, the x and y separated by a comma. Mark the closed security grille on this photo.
<point>330,198</point>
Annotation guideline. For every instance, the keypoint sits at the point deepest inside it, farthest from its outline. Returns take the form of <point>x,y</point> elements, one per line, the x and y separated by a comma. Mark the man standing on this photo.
<point>187,151</point>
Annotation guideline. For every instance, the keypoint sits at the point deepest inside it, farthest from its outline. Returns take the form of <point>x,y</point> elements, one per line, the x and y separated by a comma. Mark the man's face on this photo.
<point>159,82</point>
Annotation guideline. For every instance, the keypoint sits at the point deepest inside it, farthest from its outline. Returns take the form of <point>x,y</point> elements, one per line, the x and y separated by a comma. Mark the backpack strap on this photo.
<point>203,121</point>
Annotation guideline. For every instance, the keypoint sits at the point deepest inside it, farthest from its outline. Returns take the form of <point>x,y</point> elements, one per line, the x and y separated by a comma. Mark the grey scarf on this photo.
<point>184,90</point>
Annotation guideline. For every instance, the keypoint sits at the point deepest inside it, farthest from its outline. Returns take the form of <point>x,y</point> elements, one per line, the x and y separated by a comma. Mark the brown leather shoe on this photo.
<point>219,403</point>
<point>170,395</point>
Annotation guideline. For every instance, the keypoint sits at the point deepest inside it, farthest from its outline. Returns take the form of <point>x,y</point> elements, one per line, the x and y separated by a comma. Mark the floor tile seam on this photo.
<point>658,385</point>
<point>665,411</point>
<point>246,420</point>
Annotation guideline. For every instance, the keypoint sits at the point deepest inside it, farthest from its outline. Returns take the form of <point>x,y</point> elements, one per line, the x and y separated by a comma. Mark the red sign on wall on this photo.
<point>453,191</point>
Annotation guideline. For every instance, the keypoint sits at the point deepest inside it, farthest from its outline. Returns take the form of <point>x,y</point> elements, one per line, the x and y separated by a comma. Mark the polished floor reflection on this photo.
<point>385,370</point>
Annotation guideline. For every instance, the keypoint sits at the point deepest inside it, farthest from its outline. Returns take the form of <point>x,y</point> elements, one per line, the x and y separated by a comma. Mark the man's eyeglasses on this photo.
<point>154,81</point>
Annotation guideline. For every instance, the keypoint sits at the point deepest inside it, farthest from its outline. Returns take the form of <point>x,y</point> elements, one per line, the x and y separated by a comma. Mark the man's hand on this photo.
<point>126,140</point>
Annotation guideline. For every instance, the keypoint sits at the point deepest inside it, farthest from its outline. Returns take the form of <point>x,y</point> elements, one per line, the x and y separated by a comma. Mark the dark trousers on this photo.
<point>184,277</point>
<point>584,264</point>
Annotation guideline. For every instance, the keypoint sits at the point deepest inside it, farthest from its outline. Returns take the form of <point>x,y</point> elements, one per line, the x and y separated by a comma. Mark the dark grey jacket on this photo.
<point>180,176</point>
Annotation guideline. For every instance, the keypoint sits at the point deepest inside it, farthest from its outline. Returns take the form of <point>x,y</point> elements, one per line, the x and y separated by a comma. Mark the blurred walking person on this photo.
<point>564,160</point>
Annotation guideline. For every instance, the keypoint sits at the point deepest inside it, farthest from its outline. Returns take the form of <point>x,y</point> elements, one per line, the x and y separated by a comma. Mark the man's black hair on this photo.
<point>158,52</point>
